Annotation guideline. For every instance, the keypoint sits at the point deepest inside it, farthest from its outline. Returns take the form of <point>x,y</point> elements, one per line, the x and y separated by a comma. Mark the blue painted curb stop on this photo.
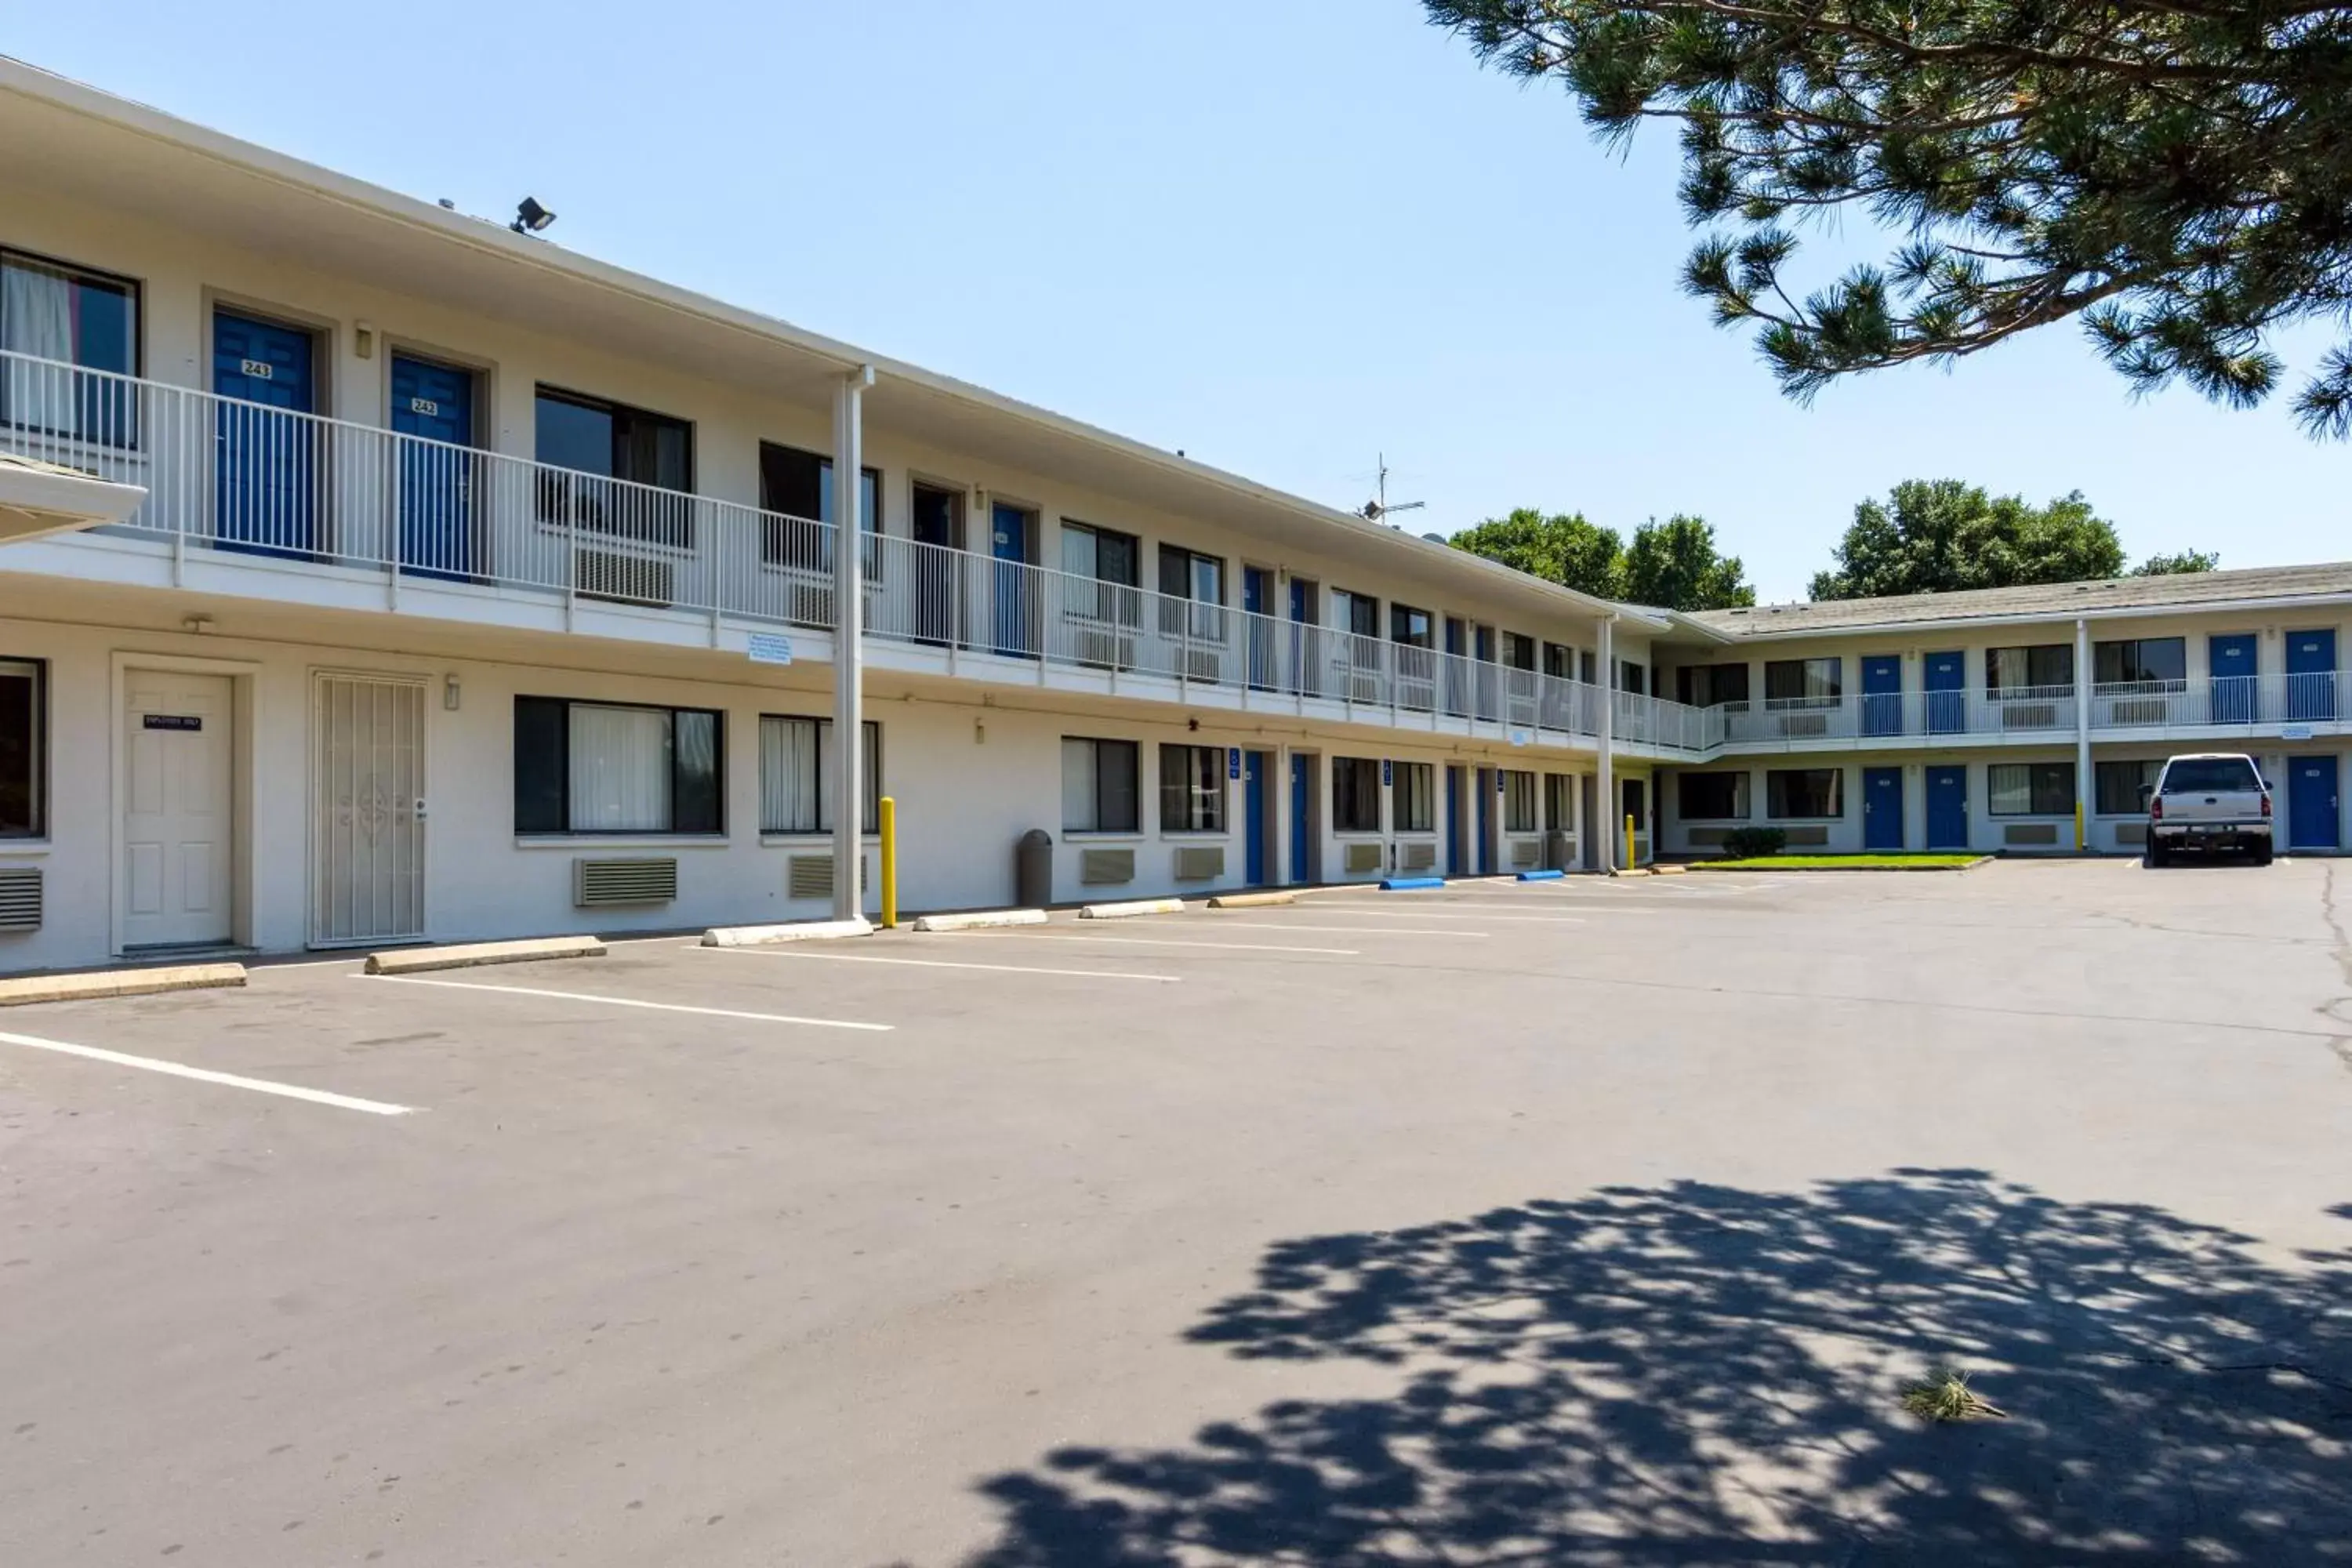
<point>1410,884</point>
<point>1541,875</point>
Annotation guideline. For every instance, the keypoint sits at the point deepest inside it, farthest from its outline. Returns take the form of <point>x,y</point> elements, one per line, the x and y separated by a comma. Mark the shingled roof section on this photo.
<point>2177,591</point>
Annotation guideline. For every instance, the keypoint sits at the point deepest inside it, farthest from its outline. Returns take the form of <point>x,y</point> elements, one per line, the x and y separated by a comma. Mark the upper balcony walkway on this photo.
<point>2246,707</point>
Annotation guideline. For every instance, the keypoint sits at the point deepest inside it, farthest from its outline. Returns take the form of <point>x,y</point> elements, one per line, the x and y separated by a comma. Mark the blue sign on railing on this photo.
<point>769,647</point>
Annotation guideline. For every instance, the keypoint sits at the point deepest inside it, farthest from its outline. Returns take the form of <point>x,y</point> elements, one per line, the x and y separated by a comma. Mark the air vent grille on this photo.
<point>1105,867</point>
<point>1524,853</point>
<point>20,898</point>
<point>602,884</point>
<point>1417,856</point>
<point>624,578</point>
<point>1199,862</point>
<point>811,876</point>
<point>1361,859</point>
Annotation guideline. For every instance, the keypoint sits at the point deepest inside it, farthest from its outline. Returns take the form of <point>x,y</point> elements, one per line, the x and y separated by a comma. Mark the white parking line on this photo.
<point>626,1001</point>
<point>1442,915</point>
<point>205,1075</point>
<point>941,964</point>
<point>1035,935</point>
<point>1224,924</point>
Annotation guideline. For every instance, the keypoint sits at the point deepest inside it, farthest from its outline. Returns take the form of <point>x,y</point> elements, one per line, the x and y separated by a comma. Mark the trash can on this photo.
<point>1559,853</point>
<point>1032,870</point>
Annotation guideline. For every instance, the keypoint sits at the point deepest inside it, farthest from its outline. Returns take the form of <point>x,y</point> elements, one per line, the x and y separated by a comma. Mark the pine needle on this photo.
<point>1946,1396</point>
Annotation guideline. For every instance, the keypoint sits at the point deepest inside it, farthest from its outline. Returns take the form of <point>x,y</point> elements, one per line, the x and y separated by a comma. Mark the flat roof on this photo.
<point>2173,591</point>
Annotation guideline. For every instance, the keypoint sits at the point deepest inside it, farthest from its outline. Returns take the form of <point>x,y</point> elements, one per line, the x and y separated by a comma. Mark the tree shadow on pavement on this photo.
<point>1694,1374</point>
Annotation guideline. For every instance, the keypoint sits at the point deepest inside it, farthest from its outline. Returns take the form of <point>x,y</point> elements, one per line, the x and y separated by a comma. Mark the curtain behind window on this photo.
<point>620,770</point>
<point>37,318</point>
<point>789,801</point>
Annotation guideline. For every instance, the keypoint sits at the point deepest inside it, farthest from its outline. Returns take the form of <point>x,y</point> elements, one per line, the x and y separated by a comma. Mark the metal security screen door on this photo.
<point>367,831</point>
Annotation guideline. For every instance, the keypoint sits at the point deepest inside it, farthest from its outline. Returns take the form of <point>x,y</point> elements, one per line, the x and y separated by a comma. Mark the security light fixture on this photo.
<point>531,218</point>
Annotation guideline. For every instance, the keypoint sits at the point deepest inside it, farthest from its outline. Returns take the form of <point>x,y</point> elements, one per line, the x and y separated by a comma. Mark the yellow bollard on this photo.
<point>1629,841</point>
<point>2078,828</point>
<point>889,863</point>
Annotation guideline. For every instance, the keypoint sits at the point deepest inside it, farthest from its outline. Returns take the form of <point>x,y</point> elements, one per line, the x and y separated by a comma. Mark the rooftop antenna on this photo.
<point>1377,509</point>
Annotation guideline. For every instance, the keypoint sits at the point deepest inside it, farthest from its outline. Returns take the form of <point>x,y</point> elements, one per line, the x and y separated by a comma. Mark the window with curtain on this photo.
<point>1518,800</point>
<point>796,785</point>
<point>1711,797</point>
<point>2030,789</point>
<point>796,490</point>
<point>1099,785</point>
<point>1409,626</point>
<point>24,762</point>
<point>1712,684</point>
<point>1354,795</point>
<point>1356,613</point>
<point>1803,683</point>
<point>1560,802</point>
<point>74,317</point>
<point>2116,785</point>
<point>1416,797</point>
<point>597,439</point>
<point>1192,789</point>
<point>1108,566</point>
<point>1800,794</point>
<point>2042,665</point>
<point>2141,661</point>
<point>597,767</point>
<point>1519,650</point>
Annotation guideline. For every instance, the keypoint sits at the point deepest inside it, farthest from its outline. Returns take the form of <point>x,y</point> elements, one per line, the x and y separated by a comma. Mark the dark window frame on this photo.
<point>870,781</point>
<point>1355,784</point>
<point>615,505</point>
<point>787,541</point>
<point>1194,764</point>
<point>115,412</point>
<point>2054,657</point>
<point>1401,624</point>
<point>1778,694</point>
<point>1520,802</point>
<point>36,749</point>
<point>2049,789</point>
<point>1416,797</point>
<point>1777,806</point>
<point>1133,750</point>
<point>2114,792</point>
<point>1743,798</point>
<point>2129,655</point>
<point>555,790</point>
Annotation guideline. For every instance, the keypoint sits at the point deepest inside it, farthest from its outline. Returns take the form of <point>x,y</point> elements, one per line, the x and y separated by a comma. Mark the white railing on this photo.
<point>229,476</point>
<point>2268,701</point>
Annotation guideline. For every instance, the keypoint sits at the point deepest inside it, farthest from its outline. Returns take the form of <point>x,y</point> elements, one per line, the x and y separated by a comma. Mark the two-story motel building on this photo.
<point>370,572</point>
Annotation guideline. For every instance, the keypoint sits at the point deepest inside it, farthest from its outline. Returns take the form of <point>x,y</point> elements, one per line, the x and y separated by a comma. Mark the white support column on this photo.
<point>1606,795</point>
<point>848,636</point>
<point>2083,730</point>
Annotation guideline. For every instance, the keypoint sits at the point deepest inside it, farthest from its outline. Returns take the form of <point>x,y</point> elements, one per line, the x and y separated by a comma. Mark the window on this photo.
<point>1632,676</point>
<point>797,487</point>
<point>1592,667</point>
<point>1558,661</point>
<point>1192,789</point>
<point>796,775</point>
<point>1354,795</point>
<point>1409,626</point>
<point>1518,651</point>
<point>1803,683</point>
<point>1804,794</point>
<point>610,441</point>
<point>1100,787</point>
<point>24,767</point>
<point>1416,797</point>
<point>1188,574</point>
<point>2030,789</point>
<point>1560,802</point>
<point>2117,786</point>
<point>1518,800</point>
<point>599,767</point>
<point>1712,684</point>
<point>2141,661</point>
<point>1715,797</point>
<point>1357,613</point>
<point>2044,664</point>
<point>1111,564</point>
<point>87,319</point>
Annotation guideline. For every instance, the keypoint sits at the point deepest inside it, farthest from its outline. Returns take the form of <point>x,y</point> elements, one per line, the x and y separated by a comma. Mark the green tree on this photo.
<point>1674,564</point>
<point>1563,548</point>
<point>1940,536</point>
<point>2164,566</point>
<point>2174,173</point>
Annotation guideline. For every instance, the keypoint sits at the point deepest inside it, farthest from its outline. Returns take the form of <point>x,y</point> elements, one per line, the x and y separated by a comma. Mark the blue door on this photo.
<point>1947,684</point>
<point>1305,656</point>
<point>1882,808</point>
<point>1302,808</point>
<point>1257,605</point>
<point>1254,767</point>
<point>2313,818</point>
<point>1947,808</point>
<point>2231,661</point>
<point>435,403</point>
<point>1486,819</point>
<point>2310,674</point>
<point>1009,543</point>
<point>266,463</point>
<point>1452,822</point>
<point>1882,694</point>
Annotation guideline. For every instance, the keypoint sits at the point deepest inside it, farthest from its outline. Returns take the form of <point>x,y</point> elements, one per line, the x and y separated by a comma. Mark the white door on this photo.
<point>179,833</point>
<point>367,848</point>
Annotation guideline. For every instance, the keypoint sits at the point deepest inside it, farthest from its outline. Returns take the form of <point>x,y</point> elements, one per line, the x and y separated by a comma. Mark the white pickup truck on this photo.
<point>2210,801</point>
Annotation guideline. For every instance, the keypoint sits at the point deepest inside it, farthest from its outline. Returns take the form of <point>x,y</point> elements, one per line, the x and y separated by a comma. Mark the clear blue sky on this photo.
<point>1283,235</point>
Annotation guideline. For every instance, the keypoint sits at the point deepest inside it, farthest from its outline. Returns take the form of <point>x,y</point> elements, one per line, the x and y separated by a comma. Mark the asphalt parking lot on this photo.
<point>1587,1222</point>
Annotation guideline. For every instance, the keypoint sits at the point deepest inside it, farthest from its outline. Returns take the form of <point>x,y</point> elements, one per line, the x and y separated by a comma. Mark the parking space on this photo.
<point>818,1254</point>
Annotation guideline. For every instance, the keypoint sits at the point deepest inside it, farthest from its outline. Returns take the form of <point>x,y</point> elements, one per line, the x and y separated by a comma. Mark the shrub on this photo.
<point>1753,843</point>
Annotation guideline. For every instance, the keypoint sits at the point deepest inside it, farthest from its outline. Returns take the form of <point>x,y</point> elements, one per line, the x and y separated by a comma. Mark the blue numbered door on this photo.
<point>1882,808</point>
<point>1944,676</point>
<point>1487,777</point>
<point>1302,818</point>
<point>1882,694</point>
<point>1257,605</point>
<point>266,464</point>
<point>1947,808</point>
<point>1253,771</point>
<point>2310,674</point>
<point>1452,822</point>
<point>1009,543</point>
<point>433,404</point>
<point>2314,819</point>
<point>2231,659</point>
